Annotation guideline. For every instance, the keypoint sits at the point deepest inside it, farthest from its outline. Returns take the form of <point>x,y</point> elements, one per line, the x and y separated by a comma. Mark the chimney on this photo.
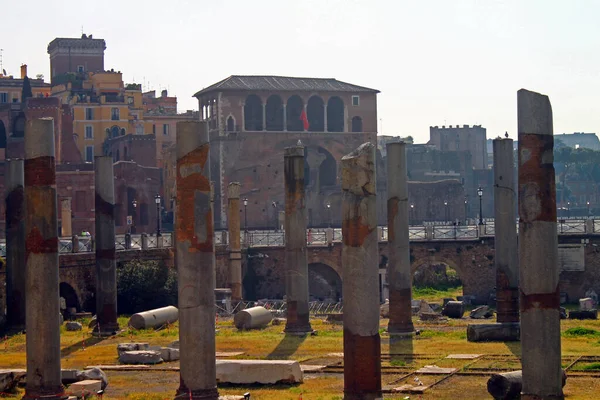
<point>163,93</point>
<point>23,71</point>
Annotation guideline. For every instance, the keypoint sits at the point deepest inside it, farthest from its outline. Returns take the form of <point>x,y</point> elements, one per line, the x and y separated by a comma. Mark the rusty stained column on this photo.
<point>66,229</point>
<point>362,347</point>
<point>106,271</point>
<point>41,227</point>
<point>235,249</point>
<point>399,274</point>
<point>296,263</point>
<point>507,256</point>
<point>194,229</point>
<point>15,245</point>
<point>538,251</point>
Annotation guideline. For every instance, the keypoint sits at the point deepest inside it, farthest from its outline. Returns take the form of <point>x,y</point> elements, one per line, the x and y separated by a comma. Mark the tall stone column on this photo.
<point>399,274</point>
<point>235,248</point>
<point>507,257</point>
<point>15,244</point>
<point>284,117</point>
<point>296,263</point>
<point>66,229</point>
<point>362,347</point>
<point>41,246</point>
<point>194,233</point>
<point>106,271</point>
<point>538,251</point>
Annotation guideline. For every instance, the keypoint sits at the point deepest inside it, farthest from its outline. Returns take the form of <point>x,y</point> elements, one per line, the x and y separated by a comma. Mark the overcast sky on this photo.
<point>435,62</point>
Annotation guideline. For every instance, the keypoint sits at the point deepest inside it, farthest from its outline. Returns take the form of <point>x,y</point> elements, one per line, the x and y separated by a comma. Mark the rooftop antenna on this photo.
<point>82,30</point>
<point>1,66</point>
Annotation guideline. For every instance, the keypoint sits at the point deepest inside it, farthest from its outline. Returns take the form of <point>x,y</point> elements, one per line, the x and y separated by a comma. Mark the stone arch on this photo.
<point>114,131</point>
<point>274,113</point>
<point>18,126</point>
<point>294,108</point>
<point>253,117</point>
<point>327,170</point>
<point>335,114</point>
<point>357,125</point>
<point>2,136</point>
<point>67,292</point>
<point>435,259</point>
<point>230,123</point>
<point>324,282</point>
<point>316,114</point>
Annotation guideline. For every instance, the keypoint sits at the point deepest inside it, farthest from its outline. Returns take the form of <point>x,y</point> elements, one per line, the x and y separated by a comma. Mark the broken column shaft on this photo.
<point>362,347</point>
<point>399,275</point>
<point>194,234</point>
<point>106,272</point>
<point>15,244</point>
<point>235,254</point>
<point>507,257</point>
<point>41,227</point>
<point>538,251</point>
<point>66,226</point>
<point>296,264</point>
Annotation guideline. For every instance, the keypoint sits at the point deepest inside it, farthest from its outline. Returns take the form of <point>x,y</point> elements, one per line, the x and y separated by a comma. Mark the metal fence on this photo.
<point>456,232</point>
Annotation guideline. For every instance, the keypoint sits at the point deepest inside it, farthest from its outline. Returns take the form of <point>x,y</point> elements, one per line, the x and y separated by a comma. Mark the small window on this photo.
<point>114,114</point>
<point>230,124</point>
<point>154,129</point>
<point>15,98</point>
<point>89,153</point>
<point>89,132</point>
<point>356,100</point>
<point>80,68</point>
<point>3,97</point>
<point>130,100</point>
<point>165,129</point>
<point>89,114</point>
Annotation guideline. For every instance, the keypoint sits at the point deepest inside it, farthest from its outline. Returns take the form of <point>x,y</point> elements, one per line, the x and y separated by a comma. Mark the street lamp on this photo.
<point>133,217</point>
<point>466,216</point>
<point>157,201</point>
<point>480,194</point>
<point>276,216</point>
<point>568,209</point>
<point>412,212</point>
<point>245,214</point>
<point>588,208</point>
<point>329,212</point>
<point>446,210</point>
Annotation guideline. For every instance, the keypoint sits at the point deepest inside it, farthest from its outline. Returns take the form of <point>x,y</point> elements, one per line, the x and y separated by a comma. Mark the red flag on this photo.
<point>304,120</point>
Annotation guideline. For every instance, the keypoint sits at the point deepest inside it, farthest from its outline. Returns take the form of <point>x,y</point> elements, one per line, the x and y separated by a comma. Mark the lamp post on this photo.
<point>466,216</point>
<point>568,209</point>
<point>134,217</point>
<point>245,214</point>
<point>446,210</point>
<point>329,213</point>
<point>588,209</point>
<point>157,201</point>
<point>412,213</point>
<point>274,205</point>
<point>480,194</point>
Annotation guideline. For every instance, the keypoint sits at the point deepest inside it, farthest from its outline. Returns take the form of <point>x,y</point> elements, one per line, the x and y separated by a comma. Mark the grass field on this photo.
<point>436,341</point>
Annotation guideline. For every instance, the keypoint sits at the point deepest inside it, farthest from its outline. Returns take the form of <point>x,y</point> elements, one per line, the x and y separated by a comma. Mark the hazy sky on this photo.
<point>435,62</point>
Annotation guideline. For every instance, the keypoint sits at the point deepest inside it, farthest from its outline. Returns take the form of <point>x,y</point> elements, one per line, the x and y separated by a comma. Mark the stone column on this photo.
<point>399,274</point>
<point>324,117</point>
<point>507,257</point>
<point>15,244</point>
<point>538,251</point>
<point>362,347</point>
<point>194,233</point>
<point>296,264</point>
<point>235,254</point>
<point>264,116</point>
<point>106,272</point>
<point>284,117</point>
<point>41,283</point>
<point>66,229</point>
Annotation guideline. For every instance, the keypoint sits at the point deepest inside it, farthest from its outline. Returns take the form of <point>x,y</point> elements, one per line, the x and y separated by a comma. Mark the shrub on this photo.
<point>579,331</point>
<point>145,285</point>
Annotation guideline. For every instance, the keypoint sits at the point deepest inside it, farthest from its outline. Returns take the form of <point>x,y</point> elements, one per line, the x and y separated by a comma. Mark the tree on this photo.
<point>145,285</point>
<point>26,92</point>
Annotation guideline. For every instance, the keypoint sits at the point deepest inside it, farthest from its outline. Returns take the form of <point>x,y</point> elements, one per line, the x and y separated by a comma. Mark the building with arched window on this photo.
<point>251,119</point>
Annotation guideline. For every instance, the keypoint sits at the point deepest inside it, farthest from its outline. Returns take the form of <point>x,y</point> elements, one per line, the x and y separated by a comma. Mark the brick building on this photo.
<point>465,138</point>
<point>76,55</point>
<point>253,118</point>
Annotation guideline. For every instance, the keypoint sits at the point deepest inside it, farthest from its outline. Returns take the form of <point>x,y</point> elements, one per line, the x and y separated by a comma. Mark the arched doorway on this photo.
<point>253,120</point>
<point>294,112</point>
<point>335,115</point>
<point>67,292</point>
<point>324,283</point>
<point>316,114</point>
<point>327,170</point>
<point>357,124</point>
<point>274,113</point>
<point>18,126</point>
<point>435,280</point>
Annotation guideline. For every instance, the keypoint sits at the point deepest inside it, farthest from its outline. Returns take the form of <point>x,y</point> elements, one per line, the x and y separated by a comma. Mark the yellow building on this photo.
<point>11,87</point>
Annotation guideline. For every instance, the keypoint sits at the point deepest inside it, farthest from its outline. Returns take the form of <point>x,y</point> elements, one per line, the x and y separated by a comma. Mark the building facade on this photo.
<point>75,56</point>
<point>462,138</point>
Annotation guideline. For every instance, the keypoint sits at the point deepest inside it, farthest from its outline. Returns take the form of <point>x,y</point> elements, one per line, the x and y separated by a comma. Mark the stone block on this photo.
<point>586,304</point>
<point>174,344</point>
<point>278,321</point>
<point>121,347</point>
<point>84,388</point>
<point>482,312</point>
<point>435,370</point>
<point>140,357</point>
<point>9,378</point>
<point>73,326</point>
<point>93,374</point>
<point>384,310</point>
<point>258,371</point>
<point>68,376</point>
<point>583,314</point>
<point>166,353</point>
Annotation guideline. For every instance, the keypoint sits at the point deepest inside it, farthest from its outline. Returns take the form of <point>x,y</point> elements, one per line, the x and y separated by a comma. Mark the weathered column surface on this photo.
<point>106,272</point>
<point>66,226</point>
<point>195,264</point>
<point>538,250</point>
<point>235,254</point>
<point>41,227</point>
<point>15,244</point>
<point>399,275</point>
<point>362,347</point>
<point>296,263</point>
<point>507,257</point>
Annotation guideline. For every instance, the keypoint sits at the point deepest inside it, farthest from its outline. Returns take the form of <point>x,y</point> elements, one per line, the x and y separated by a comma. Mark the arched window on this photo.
<point>122,131</point>
<point>356,124</point>
<point>274,113</point>
<point>316,115</point>
<point>18,129</point>
<point>294,111</point>
<point>2,135</point>
<point>114,131</point>
<point>327,170</point>
<point>335,115</point>
<point>253,113</point>
<point>230,124</point>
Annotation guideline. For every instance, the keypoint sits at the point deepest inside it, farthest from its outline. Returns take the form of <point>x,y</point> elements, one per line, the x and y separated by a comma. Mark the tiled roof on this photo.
<point>283,83</point>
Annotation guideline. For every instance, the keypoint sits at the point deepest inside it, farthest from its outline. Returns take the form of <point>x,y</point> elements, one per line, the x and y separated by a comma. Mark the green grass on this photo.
<point>578,331</point>
<point>592,367</point>
<point>432,294</point>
